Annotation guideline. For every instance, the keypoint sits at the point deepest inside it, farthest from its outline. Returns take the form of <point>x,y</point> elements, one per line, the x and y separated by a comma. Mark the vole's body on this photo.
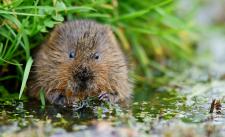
<point>80,59</point>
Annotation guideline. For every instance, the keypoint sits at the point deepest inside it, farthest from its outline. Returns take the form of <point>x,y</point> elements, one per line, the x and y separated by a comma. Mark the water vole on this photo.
<point>80,59</point>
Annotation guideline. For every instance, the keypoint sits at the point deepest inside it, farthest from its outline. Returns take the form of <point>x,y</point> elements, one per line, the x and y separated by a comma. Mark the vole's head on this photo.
<point>81,56</point>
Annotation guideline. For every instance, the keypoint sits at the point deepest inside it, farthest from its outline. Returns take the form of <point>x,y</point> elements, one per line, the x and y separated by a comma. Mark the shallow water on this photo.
<point>182,107</point>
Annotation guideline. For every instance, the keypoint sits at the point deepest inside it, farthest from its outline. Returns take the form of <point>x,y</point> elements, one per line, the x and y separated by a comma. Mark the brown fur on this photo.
<point>55,72</point>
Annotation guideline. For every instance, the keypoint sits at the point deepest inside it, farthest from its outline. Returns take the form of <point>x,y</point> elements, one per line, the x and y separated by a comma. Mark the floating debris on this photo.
<point>215,105</point>
<point>212,106</point>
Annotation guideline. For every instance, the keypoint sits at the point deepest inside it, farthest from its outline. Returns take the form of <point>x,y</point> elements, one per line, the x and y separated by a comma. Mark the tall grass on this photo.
<point>148,31</point>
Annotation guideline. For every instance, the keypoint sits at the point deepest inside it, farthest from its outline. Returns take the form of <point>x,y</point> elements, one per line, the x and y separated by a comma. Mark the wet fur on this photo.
<point>54,72</point>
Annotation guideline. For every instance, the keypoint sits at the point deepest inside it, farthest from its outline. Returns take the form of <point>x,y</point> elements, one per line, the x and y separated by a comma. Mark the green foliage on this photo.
<point>25,75</point>
<point>149,31</point>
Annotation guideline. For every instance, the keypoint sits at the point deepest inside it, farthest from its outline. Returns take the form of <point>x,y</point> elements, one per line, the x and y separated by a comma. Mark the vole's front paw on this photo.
<point>108,97</point>
<point>104,97</point>
<point>56,97</point>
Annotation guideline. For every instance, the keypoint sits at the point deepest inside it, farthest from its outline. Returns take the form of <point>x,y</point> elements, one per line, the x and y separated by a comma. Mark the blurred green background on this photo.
<point>153,34</point>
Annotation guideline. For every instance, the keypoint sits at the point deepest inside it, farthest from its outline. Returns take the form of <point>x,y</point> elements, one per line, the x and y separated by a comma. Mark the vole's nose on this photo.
<point>83,76</point>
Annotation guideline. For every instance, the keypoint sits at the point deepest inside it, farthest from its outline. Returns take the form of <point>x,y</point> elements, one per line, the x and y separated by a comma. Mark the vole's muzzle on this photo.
<point>83,77</point>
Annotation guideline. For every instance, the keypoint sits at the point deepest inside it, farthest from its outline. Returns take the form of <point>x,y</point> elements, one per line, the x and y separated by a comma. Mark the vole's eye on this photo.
<point>72,54</point>
<point>96,56</point>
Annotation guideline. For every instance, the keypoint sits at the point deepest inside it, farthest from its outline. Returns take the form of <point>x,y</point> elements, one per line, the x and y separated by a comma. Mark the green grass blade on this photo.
<point>7,77</point>
<point>9,62</point>
<point>42,98</point>
<point>25,75</point>
<point>136,14</point>
<point>20,13</point>
<point>59,9</point>
<point>1,50</point>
